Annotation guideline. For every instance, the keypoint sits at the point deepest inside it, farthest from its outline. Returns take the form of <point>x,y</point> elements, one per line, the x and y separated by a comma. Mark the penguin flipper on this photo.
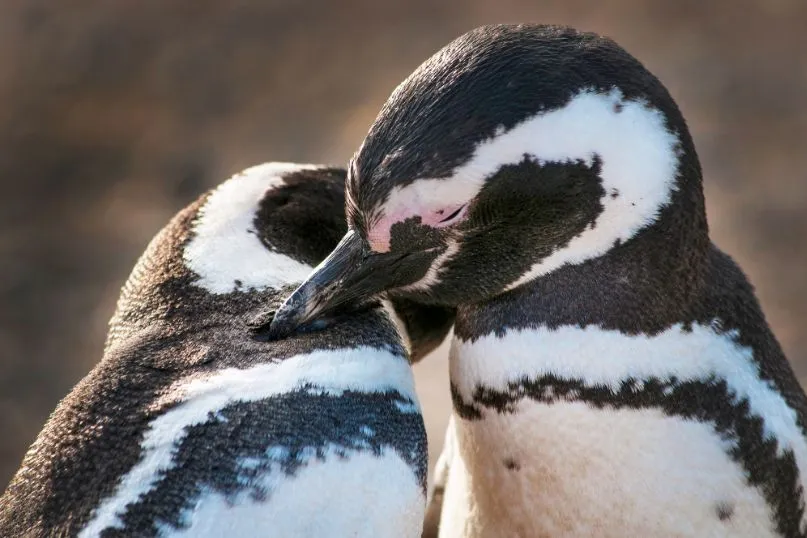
<point>434,507</point>
<point>431,523</point>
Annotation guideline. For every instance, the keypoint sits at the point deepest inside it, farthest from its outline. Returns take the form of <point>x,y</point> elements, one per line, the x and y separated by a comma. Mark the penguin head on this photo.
<point>512,152</point>
<point>247,244</point>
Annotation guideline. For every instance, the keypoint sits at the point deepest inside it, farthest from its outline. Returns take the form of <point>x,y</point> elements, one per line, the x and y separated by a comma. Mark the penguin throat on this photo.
<point>643,285</point>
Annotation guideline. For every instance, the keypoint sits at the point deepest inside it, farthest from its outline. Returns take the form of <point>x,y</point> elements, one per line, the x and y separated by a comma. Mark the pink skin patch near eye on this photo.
<point>379,235</point>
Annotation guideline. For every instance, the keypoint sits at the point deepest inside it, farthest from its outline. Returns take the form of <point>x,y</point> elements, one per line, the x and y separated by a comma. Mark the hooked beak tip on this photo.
<point>348,275</point>
<point>280,328</point>
<point>281,323</point>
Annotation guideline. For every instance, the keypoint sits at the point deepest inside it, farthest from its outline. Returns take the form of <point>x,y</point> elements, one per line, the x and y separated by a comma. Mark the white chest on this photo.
<point>565,467</point>
<point>568,470</point>
<point>361,495</point>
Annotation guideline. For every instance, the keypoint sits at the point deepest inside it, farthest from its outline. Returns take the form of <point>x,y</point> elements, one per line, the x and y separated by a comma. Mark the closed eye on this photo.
<point>452,215</point>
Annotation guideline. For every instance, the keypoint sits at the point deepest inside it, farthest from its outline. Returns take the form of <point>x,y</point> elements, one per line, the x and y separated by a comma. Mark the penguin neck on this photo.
<point>644,285</point>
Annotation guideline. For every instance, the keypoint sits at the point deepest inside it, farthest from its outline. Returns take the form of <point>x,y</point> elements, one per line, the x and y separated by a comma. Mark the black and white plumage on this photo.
<point>612,372</point>
<point>193,425</point>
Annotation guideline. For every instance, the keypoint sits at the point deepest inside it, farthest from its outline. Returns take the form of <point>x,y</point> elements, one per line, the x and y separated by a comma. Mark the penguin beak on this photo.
<point>351,274</point>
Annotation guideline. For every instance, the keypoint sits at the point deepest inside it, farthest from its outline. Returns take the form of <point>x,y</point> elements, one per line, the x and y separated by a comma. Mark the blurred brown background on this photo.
<point>115,114</point>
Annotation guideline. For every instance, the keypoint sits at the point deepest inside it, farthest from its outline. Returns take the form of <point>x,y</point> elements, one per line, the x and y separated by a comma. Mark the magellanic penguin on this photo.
<point>192,425</point>
<point>612,372</point>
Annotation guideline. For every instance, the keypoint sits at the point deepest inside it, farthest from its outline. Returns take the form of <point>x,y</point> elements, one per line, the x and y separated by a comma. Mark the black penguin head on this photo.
<point>244,246</point>
<point>235,249</point>
<point>513,151</point>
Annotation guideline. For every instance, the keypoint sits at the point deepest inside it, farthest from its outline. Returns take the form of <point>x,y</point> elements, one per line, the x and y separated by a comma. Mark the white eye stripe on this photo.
<point>638,157</point>
<point>225,248</point>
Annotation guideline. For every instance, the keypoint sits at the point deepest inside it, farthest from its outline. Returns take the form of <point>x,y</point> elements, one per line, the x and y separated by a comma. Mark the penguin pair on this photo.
<point>193,424</point>
<point>611,370</point>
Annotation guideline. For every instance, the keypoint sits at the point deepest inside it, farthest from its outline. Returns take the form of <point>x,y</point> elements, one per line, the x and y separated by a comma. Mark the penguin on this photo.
<point>193,424</point>
<point>611,370</point>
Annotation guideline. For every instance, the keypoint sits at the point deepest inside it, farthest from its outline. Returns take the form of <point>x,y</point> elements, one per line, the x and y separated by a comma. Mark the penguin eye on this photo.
<point>454,214</point>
